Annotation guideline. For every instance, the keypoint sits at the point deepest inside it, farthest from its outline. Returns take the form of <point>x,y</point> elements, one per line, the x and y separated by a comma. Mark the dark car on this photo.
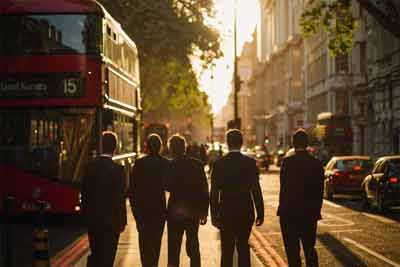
<point>344,175</point>
<point>381,187</point>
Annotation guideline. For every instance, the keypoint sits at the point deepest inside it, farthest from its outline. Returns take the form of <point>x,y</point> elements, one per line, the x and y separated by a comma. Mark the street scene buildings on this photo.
<point>293,80</point>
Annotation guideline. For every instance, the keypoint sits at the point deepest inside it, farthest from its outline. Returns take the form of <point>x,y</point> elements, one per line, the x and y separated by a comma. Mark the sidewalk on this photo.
<point>128,249</point>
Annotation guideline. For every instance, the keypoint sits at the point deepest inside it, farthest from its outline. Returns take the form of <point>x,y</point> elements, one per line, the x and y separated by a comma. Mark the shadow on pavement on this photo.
<point>345,256</point>
<point>354,203</point>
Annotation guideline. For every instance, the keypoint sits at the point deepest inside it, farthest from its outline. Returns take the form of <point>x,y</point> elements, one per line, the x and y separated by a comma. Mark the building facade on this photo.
<point>376,94</point>
<point>280,52</point>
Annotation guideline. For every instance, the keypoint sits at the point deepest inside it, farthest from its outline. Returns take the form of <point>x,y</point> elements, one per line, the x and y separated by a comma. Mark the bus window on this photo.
<point>51,143</point>
<point>50,34</point>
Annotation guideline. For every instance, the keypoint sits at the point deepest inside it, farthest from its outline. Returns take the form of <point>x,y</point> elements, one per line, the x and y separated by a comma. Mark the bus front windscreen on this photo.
<point>50,34</point>
<point>49,143</point>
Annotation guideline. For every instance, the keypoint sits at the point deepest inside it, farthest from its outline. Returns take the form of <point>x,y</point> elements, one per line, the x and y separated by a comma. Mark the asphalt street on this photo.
<point>347,235</point>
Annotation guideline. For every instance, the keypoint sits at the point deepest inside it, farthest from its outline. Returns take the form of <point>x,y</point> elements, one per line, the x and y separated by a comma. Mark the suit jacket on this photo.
<point>235,190</point>
<point>301,186</point>
<point>186,181</point>
<point>147,188</point>
<point>103,194</point>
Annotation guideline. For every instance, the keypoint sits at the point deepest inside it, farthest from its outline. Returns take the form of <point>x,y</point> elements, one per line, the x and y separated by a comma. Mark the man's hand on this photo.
<point>259,221</point>
<point>203,220</point>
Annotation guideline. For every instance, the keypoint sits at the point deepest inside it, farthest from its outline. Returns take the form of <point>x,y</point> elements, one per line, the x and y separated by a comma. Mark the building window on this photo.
<point>363,57</point>
<point>341,64</point>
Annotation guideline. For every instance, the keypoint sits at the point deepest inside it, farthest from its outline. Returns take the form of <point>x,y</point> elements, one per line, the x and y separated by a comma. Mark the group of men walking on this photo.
<point>235,199</point>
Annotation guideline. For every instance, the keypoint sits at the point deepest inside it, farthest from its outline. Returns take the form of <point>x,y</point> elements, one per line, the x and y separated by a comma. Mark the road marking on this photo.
<point>373,253</point>
<point>379,218</point>
<point>334,218</point>
<point>345,231</point>
<point>329,203</point>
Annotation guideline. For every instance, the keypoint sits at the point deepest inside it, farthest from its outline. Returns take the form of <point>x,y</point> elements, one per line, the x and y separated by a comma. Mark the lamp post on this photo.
<point>236,79</point>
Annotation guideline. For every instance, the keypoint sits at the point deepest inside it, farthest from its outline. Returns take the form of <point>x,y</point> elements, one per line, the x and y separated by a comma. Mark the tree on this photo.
<point>336,19</point>
<point>168,33</point>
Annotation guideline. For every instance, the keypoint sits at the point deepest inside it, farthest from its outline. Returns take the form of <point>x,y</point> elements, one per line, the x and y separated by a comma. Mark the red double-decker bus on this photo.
<point>67,72</point>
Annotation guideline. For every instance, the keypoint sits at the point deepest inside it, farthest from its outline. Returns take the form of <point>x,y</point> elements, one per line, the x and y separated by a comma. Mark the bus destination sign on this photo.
<point>43,85</point>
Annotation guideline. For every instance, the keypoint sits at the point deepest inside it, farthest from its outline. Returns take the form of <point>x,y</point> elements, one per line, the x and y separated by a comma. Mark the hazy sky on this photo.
<point>248,15</point>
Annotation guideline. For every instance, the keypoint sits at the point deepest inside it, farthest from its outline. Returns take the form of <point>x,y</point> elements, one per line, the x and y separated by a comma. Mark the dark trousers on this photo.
<point>294,231</point>
<point>150,235</point>
<point>235,235</point>
<point>175,233</point>
<point>103,245</point>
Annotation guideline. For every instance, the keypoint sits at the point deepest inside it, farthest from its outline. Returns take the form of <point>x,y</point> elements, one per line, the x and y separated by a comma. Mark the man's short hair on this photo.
<point>300,139</point>
<point>154,143</point>
<point>109,142</point>
<point>177,145</point>
<point>234,138</point>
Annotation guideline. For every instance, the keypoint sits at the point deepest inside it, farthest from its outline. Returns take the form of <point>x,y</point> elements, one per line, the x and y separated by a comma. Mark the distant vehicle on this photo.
<point>64,80</point>
<point>279,157</point>
<point>381,187</point>
<point>344,175</point>
<point>334,135</point>
<point>310,150</point>
<point>263,157</point>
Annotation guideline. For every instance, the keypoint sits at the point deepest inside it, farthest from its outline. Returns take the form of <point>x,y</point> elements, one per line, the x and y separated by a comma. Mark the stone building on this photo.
<point>376,95</point>
<point>280,52</point>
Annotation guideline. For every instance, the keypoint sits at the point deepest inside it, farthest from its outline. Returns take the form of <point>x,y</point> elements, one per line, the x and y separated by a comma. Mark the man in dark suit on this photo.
<point>148,200</point>
<point>103,204</point>
<point>188,202</point>
<point>235,190</point>
<point>300,201</point>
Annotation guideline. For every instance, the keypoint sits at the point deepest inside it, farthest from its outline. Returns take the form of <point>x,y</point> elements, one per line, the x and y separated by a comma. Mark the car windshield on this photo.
<point>50,34</point>
<point>362,165</point>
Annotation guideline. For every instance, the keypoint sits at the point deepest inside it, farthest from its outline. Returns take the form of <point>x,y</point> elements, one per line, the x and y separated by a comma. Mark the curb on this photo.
<point>265,251</point>
<point>72,253</point>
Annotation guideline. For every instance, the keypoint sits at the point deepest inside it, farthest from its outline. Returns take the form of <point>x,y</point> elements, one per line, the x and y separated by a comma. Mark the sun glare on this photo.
<point>216,81</point>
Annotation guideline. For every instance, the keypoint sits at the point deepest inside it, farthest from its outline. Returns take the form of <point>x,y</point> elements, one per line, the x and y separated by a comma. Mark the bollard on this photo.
<point>41,239</point>
<point>6,236</point>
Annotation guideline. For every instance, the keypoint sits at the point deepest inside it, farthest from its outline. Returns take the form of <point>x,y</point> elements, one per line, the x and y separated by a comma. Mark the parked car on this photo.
<point>381,187</point>
<point>344,175</point>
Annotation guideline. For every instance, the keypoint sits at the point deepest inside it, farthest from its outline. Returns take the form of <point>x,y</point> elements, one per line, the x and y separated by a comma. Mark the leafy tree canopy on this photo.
<point>168,33</point>
<point>336,19</point>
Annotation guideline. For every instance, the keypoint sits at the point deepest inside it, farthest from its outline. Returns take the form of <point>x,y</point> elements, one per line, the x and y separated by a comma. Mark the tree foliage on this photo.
<point>336,19</point>
<point>168,33</point>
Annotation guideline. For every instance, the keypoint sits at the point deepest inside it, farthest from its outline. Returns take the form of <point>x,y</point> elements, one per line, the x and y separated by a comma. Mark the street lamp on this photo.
<point>236,80</point>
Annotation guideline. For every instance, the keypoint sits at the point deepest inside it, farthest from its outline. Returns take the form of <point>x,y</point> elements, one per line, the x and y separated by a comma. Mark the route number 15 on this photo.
<point>70,86</point>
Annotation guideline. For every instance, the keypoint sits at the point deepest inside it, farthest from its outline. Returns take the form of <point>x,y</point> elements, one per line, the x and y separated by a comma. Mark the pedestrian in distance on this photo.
<point>235,190</point>
<point>147,199</point>
<point>300,201</point>
<point>103,203</point>
<point>188,202</point>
